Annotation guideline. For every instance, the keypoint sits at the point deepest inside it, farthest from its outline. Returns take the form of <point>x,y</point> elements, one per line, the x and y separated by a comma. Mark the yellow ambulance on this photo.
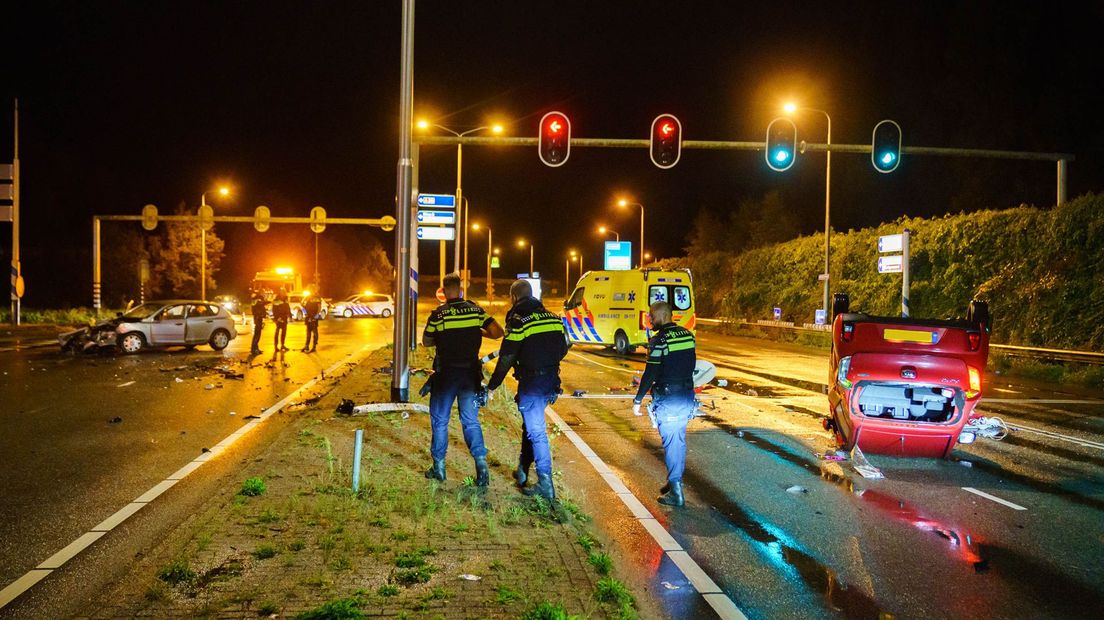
<point>611,307</point>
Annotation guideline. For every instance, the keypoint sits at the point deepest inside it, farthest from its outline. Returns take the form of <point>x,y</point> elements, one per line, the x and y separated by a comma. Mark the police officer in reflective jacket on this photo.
<point>669,374</point>
<point>534,345</point>
<point>457,328</point>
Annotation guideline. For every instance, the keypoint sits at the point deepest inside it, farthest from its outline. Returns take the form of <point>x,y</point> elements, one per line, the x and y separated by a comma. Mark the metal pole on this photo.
<point>459,204</point>
<point>16,268</point>
<point>464,275</point>
<point>827,216</point>
<point>316,277</point>
<point>1061,182</point>
<point>96,265</point>
<point>357,441</point>
<point>905,273</point>
<point>567,273</point>
<point>530,260</point>
<point>202,252</point>
<point>641,236</point>
<point>414,245</point>
<point>400,370</point>
<point>490,251</point>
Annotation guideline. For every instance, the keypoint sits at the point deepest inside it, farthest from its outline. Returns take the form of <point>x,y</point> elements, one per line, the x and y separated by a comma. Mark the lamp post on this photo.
<point>223,191</point>
<point>791,108</point>
<point>490,243</point>
<point>626,203</point>
<point>602,230</point>
<point>567,271</point>
<point>460,216</point>
<point>522,243</point>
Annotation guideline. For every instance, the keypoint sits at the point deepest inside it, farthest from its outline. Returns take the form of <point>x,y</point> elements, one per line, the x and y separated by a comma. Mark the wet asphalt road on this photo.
<point>81,436</point>
<point>913,545</point>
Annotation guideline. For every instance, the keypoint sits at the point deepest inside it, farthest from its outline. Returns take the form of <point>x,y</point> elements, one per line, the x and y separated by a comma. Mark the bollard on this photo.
<point>356,459</point>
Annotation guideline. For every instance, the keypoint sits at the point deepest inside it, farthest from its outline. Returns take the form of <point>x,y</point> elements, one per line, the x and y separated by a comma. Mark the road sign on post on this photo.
<point>890,264</point>
<point>426,216</point>
<point>440,201</point>
<point>618,255</point>
<point>261,218</point>
<point>318,219</point>
<point>890,243</point>
<point>149,217</point>
<point>436,233</point>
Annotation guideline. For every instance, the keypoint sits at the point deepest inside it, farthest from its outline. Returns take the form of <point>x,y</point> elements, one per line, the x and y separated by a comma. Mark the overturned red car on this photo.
<point>905,386</point>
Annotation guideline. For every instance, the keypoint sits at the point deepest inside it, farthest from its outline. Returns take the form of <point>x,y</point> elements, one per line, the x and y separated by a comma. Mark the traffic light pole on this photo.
<point>405,277</point>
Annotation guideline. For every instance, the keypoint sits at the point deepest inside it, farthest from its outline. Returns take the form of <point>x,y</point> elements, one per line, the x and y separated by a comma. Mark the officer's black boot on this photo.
<point>673,497</point>
<point>482,474</point>
<point>666,488</point>
<point>521,475</point>
<point>437,471</point>
<point>543,488</point>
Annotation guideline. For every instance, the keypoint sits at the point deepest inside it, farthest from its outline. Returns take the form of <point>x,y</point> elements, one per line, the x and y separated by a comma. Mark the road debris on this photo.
<point>209,386</point>
<point>669,585</point>
<point>863,466</point>
<point>345,406</point>
<point>578,393</point>
<point>122,385</point>
<point>721,383</point>
<point>178,379</point>
<point>469,577</point>
<point>797,490</point>
<point>752,392</point>
<point>233,413</point>
<point>115,420</point>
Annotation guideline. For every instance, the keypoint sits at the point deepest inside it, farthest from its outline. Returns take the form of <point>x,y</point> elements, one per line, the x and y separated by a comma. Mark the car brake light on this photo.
<point>841,373</point>
<point>975,340</point>
<point>848,331</point>
<point>975,382</point>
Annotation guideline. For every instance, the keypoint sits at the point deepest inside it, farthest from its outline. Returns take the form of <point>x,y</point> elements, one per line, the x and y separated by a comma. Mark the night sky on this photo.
<point>296,104</point>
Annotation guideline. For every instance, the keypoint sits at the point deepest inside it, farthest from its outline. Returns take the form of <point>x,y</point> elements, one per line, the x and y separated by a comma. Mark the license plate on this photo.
<point>909,335</point>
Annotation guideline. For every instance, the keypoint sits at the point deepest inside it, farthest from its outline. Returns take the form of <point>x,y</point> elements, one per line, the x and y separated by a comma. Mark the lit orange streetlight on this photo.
<point>602,230</point>
<point>792,108</point>
<point>627,203</point>
<point>522,243</point>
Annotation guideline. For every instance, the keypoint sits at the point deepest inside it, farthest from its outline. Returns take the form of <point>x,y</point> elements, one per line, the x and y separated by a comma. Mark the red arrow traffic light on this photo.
<point>666,145</point>
<point>554,140</point>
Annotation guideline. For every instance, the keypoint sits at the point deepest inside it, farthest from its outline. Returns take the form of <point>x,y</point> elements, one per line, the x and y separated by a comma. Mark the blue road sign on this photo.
<point>618,256</point>
<point>821,317</point>
<point>445,201</point>
<point>436,217</point>
<point>778,314</point>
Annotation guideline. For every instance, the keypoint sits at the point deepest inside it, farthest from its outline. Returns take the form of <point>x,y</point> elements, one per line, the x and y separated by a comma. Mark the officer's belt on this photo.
<point>673,387</point>
<point>529,373</point>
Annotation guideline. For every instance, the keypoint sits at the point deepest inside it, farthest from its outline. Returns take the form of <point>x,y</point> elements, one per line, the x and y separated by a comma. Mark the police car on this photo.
<point>365,304</point>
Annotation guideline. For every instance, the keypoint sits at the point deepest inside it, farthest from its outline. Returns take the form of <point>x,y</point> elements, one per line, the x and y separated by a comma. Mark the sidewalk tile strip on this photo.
<point>160,488</point>
<point>635,506</point>
<point>664,538</point>
<point>702,583</point>
<point>615,483</point>
<point>187,469</point>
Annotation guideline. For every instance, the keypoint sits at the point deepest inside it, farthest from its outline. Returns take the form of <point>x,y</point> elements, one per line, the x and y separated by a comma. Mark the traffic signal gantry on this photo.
<point>666,141</point>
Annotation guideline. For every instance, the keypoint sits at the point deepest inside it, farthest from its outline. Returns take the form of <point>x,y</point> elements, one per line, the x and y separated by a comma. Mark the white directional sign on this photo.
<point>7,192</point>
<point>891,243</point>
<point>890,264</point>
<point>437,233</point>
<point>436,217</point>
<point>6,172</point>
<point>441,201</point>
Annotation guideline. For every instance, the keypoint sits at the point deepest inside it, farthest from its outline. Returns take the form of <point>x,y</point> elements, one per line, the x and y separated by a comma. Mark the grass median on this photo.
<point>294,539</point>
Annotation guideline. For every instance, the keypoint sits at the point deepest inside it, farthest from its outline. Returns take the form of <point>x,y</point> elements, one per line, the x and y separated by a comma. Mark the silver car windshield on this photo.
<point>142,311</point>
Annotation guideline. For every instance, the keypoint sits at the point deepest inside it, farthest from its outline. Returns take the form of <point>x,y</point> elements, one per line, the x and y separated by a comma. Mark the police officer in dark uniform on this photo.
<point>312,308</point>
<point>534,345</point>
<point>457,328</point>
<point>281,314</point>
<point>669,374</point>
<point>259,313</point>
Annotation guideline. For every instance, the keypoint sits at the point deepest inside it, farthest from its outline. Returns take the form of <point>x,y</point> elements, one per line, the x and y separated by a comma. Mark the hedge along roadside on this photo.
<point>1042,271</point>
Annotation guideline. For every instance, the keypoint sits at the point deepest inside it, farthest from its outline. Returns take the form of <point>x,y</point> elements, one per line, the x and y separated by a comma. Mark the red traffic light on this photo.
<point>666,144</point>
<point>554,141</point>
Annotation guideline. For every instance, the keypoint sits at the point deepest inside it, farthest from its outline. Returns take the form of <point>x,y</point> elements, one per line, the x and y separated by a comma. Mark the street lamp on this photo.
<point>647,257</point>
<point>490,242</point>
<point>572,255</point>
<point>222,191</point>
<point>626,203</point>
<point>791,108</point>
<point>461,206</point>
<point>522,243</point>
<point>602,230</point>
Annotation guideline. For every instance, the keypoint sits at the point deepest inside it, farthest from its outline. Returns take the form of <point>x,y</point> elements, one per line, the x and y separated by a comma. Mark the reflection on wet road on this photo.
<point>788,533</point>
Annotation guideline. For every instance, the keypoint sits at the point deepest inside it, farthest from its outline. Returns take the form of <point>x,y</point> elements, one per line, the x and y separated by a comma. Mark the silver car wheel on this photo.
<point>132,343</point>
<point>220,340</point>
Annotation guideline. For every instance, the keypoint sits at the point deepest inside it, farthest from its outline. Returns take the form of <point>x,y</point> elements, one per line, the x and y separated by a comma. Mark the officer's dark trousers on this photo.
<point>257,325</point>
<point>454,384</point>
<point>281,334</point>
<point>312,330</point>
<point>672,413</point>
<point>533,396</point>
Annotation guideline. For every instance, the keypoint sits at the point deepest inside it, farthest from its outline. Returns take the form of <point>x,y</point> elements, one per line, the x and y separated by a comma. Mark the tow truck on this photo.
<point>905,386</point>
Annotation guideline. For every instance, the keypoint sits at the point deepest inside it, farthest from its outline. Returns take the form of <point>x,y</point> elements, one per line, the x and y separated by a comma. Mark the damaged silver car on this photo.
<point>157,324</point>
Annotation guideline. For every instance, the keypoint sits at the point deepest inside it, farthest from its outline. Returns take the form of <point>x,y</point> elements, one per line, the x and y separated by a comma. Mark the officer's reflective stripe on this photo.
<point>680,346</point>
<point>540,327</point>
<point>467,323</point>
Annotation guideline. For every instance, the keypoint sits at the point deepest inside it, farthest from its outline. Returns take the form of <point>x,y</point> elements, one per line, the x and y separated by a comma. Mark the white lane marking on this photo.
<point>126,384</point>
<point>586,359</point>
<point>1077,440</point>
<point>994,498</point>
<point>1041,401</point>
<point>717,599</point>
<point>16,588</point>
